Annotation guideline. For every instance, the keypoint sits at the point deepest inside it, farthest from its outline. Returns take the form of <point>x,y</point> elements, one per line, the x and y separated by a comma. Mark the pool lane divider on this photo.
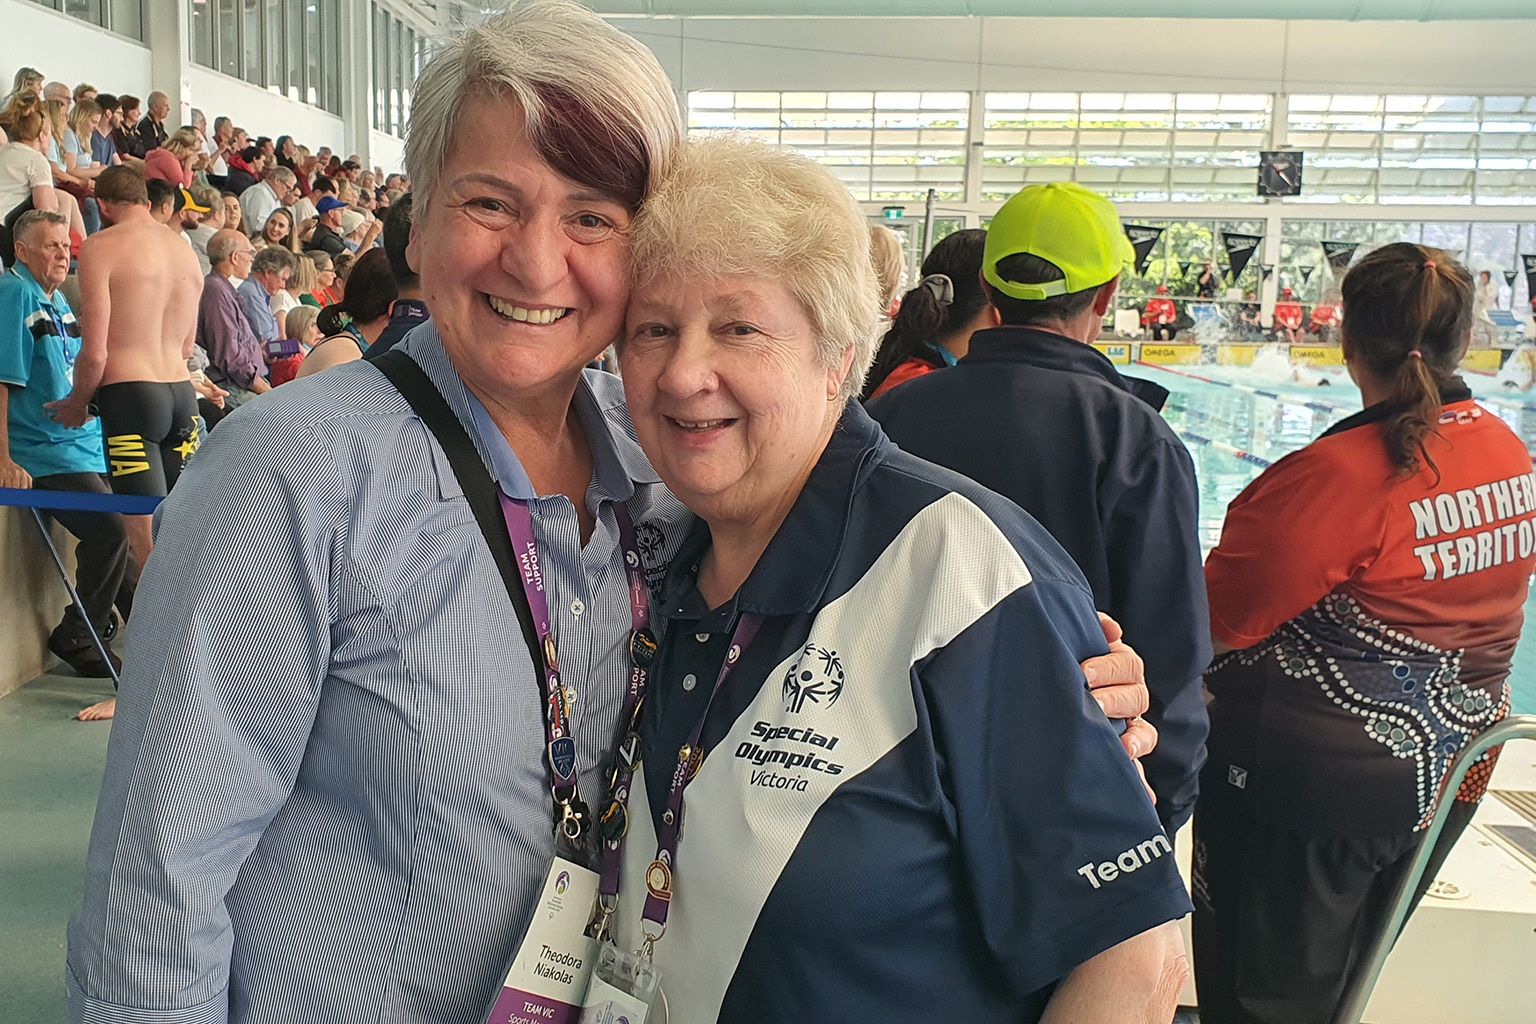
<point>1316,406</point>
<point>1221,446</point>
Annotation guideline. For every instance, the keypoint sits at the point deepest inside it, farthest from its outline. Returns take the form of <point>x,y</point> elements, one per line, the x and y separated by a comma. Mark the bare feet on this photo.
<point>99,712</point>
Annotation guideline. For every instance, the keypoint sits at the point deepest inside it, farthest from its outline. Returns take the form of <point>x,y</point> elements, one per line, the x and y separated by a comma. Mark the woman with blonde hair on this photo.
<point>301,281</point>
<point>26,178</point>
<point>83,120</point>
<point>172,162</point>
<point>327,290</point>
<point>56,126</point>
<point>890,266</point>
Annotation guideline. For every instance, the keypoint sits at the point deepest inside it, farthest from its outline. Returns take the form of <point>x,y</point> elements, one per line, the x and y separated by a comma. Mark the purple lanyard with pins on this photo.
<point>658,876</point>
<point>573,816</point>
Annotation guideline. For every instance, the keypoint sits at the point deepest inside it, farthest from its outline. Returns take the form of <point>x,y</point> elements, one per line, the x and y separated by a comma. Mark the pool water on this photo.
<point>1232,431</point>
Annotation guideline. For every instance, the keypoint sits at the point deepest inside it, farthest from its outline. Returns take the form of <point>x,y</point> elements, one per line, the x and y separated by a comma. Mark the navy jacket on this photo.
<point>1050,423</point>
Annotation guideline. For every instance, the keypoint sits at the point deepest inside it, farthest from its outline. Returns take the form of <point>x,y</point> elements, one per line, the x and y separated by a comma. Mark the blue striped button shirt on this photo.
<point>325,796</point>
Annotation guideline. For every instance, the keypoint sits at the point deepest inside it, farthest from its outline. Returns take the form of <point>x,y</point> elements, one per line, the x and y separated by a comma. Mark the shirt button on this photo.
<point>702,638</point>
<point>690,681</point>
<point>577,607</point>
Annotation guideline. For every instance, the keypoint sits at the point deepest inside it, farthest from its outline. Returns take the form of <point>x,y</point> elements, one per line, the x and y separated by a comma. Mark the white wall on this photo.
<point>69,50</point>
<point>1075,54</point>
<point>263,113</point>
<point>387,151</point>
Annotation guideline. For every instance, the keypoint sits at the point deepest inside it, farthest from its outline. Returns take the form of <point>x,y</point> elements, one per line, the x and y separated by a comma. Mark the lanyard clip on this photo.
<point>606,906</point>
<point>574,817</point>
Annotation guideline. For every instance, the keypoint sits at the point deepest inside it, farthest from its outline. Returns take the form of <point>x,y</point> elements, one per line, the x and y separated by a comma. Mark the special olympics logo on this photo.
<point>817,677</point>
<point>562,882</point>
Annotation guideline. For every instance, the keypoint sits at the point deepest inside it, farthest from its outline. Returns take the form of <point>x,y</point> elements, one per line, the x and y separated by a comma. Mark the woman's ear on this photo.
<point>839,374</point>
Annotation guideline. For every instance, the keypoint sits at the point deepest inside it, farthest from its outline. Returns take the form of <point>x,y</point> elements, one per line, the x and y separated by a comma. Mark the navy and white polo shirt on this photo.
<point>910,806</point>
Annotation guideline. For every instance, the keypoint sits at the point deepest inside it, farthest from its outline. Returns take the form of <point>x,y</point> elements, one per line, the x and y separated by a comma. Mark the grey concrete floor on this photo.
<point>50,774</point>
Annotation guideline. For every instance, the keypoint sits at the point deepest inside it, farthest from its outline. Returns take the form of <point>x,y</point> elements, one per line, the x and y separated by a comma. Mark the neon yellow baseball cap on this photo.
<point>1067,225</point>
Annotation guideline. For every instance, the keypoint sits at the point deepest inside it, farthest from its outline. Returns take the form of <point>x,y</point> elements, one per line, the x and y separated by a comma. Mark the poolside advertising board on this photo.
<point>1317,355</point>
<point>1171,355</point>
<point>1120,355</point>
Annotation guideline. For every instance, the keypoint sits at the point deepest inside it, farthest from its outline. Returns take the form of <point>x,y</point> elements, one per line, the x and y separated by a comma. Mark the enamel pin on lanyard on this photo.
<point>551,973</point>
<point>624,985</point>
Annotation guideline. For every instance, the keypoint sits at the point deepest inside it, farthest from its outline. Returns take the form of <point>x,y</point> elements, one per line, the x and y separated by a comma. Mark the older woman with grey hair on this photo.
<point>867,706</point>
<point>353,711</point>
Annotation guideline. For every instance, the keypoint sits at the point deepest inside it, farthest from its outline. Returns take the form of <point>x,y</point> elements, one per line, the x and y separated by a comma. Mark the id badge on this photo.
<point>549,975</point>
<point>625,989</point>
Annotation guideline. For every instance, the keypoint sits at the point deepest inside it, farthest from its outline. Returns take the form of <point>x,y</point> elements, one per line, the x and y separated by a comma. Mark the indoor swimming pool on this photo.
<point>1236,421</point>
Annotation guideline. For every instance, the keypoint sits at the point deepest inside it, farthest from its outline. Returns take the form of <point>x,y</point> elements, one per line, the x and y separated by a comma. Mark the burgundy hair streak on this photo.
<point>574,141</point>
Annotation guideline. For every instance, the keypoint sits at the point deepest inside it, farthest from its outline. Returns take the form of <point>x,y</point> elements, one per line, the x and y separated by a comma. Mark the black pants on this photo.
<point>1164,332</point>
<point>1283,919</point>
<point>151,431</point>
<point>104,573</point>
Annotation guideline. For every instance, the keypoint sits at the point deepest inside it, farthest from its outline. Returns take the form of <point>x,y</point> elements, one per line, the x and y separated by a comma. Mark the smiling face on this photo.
<point>524,270</point>
<point>277,228</point>
<point>727,392</point>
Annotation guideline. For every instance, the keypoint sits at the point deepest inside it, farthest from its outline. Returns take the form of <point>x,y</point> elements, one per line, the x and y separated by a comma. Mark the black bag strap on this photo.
<point>433,409</point>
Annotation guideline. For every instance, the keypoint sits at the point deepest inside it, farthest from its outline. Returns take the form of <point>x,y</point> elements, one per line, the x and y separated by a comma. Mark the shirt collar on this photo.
<point>56,300</point>
<point>1050,351</point>
<point>617,462</point>
<point>1455,390</point>
<point>793,573</point>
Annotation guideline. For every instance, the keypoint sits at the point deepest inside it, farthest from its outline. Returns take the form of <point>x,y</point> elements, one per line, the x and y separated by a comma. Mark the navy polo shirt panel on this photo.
<point>1051,424</point>
<point>908,798</point>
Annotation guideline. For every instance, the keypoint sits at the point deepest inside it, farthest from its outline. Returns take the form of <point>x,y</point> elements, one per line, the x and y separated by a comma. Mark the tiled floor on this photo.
<point>1218,420</point>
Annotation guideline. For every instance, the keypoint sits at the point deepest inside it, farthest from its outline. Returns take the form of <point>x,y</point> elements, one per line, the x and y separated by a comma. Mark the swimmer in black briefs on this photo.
<point>151,430</point>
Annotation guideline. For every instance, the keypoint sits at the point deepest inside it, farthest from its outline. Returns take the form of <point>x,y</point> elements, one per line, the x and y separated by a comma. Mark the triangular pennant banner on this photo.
<point>1530,274</point>
<point>1306,274</point>
<point>1267,270</point>
<point>1240,249</point>
<point>1143,240</point>
<point>1339,255</point>
<point>1509,278</point>
<point>1184,266</point>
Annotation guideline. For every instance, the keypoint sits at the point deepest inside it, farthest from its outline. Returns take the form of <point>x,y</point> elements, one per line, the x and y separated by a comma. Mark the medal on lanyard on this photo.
<point>625,985</point>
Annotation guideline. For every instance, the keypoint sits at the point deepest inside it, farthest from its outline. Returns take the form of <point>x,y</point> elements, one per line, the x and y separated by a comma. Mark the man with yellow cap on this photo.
<point>1038,415</point>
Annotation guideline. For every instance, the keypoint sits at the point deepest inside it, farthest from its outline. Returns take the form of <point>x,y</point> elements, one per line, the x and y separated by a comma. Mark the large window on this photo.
<point>279,45</point>
<point>1494,247</point>
<point>883,145</point>
<point>395,64</point>
<point>125,17</point>
<point>1141,146</point>
<point>1416,149</point>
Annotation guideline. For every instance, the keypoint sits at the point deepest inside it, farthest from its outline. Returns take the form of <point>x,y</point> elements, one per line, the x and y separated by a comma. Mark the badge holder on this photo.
<point>625,987</point>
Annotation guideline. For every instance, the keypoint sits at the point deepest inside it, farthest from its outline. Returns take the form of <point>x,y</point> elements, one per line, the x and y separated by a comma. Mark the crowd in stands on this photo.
<point>275,229</point>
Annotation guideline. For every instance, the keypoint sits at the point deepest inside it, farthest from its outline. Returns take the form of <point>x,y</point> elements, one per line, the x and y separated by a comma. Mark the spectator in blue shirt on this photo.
<point>270,268</point>
<point>39,341</point>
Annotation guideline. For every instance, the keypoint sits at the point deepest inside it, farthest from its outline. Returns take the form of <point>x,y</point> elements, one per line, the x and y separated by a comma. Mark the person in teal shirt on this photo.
<point>39,342</point>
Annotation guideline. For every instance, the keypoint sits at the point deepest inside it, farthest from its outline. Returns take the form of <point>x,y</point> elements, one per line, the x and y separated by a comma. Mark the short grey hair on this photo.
<point>731,206</point>
<point>282,174</point>
<point>271,260</point>
<point>32,218</point>
<point>531,49</point>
